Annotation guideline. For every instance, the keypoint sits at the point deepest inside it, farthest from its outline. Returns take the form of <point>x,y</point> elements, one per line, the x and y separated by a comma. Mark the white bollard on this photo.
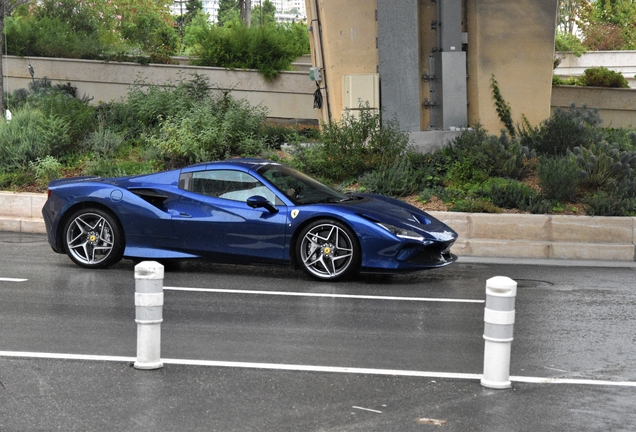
<point>499,319</point>
<point>148,314</point>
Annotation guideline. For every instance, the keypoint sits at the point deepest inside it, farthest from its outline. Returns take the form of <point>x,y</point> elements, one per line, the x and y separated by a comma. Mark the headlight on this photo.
<point>402,232</point>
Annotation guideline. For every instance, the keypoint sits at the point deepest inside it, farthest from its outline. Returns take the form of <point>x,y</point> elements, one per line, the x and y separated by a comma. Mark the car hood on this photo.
<point>378,208</point>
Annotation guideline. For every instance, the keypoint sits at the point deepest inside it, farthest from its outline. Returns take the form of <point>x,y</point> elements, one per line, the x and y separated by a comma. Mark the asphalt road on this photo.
<point>276,351</point>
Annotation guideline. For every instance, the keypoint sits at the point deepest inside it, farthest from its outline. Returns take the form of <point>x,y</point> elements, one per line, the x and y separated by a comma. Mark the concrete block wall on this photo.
<point>543,236</point>
<point>21,212</point>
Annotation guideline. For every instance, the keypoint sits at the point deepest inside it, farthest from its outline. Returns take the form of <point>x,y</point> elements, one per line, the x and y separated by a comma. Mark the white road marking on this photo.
<point>366,409</point>
<point>302,294</point>
<point>307,368</point>
<point>12,280</point>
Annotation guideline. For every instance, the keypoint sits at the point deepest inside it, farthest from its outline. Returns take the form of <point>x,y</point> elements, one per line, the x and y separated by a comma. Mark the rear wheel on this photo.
<point>93,239</point>
<point>328,250</point>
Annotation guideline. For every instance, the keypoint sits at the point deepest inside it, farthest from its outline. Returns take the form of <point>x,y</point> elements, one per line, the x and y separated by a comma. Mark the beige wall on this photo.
<point>349,31</point>
<point>512,39</point>
<point>288,97</point>
<point>617,106</point>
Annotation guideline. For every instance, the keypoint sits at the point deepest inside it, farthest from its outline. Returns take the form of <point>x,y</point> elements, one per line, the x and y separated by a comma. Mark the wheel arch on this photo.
<point>59,235</point>
<point>301,227</point>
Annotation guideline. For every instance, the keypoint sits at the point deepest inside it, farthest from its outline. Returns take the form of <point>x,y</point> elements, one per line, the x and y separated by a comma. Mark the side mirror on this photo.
<point>258,201</point>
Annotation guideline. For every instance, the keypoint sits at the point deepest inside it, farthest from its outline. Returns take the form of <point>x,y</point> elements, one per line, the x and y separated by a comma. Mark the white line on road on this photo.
<point>306,368</point>
<point>12,280</point>
<point>301,294</point>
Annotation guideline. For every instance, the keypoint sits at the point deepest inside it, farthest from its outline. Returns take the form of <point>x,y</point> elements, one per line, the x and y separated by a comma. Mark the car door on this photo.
<point>212,217</point>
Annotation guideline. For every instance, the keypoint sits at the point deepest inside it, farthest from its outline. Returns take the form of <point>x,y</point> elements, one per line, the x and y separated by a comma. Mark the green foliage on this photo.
<point>152,36</point>
<point>475,205</point>
<point>269,49</point>
<point>502,107</point>
<point>217,128</point>
<point>602,164</point>
<point>559,178</point>
<point>118,168</point>
<point>568,42</point>
<point>397,179</point>
<point>263,14</point>
<point>608,25</point>
<point>475,155</point>
<point>557,80</point>
<point>29,136</point>
<point>602,77</point>
<point>148,105</point>
<point>511,194</point>
<point>57,101</point>
<point>563,131</point>
<point>46,169</point>
<point>352,147</point>
<point>50,37</point>
<point>103,142</point>
<point>604,203</point>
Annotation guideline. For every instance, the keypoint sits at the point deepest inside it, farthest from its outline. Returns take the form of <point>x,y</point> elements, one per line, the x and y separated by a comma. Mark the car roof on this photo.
<point>246,164</point>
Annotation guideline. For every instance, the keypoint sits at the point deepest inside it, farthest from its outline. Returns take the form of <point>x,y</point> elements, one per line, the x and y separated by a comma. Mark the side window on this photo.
<point>228,184</point>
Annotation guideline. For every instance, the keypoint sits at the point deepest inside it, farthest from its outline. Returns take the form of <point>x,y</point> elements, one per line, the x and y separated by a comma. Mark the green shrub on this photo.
<point>214,129</point>
<point>46,169</point>
<point>567,42</point>
<point>57,101</point>
<point>50,37</point>
<point>475,155</point>
<point>268,48</point>
<point>398,179</point>
<point>563,131</point>
<point>557,80</point>
<point>30,136</point>
<point>352,147</point>
<point>276,135</point>
<point>103,142</point>
<point>475,205</point>
<point>602,77</point>
<point>559,178</point>
<point>602,164</point>
<point>507,193</point>
<point>148,105</point>
<point>606,204</point>
<point>118,168</point>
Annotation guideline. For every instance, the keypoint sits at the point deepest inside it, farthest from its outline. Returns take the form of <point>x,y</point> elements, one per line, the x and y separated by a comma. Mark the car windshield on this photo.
<point>298,187</point>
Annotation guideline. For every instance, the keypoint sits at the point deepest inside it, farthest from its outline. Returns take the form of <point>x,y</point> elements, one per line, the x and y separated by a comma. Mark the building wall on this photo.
<point>288,97</point>
<point>510,39</point>
<point>514,41</point>
<point>349,34</point>
<point>398,57</point>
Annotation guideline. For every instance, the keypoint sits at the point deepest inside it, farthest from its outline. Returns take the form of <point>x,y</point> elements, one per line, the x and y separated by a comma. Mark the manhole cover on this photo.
<point>532,283</point>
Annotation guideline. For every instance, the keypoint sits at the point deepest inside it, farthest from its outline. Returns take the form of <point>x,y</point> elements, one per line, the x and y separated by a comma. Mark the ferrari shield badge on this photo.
<point>294,213</point>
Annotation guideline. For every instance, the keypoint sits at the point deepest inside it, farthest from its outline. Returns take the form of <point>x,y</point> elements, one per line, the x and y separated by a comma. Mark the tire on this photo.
<point>328,250</point>
<point>93,239</point>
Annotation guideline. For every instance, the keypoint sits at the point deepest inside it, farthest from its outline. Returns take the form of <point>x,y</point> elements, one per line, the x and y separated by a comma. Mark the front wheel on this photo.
<point>93,238</point>
<point>328,250</point>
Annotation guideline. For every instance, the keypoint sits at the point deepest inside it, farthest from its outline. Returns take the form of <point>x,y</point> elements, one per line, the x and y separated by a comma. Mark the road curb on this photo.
<point>540,237</point>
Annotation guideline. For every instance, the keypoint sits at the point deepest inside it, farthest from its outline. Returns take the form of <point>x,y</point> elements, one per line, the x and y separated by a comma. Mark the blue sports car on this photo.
<point>241,211</point>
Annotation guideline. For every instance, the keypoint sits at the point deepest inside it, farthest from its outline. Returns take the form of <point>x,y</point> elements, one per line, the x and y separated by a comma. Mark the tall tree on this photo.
<point>6,9</point>
<point>245,6</point>
<point>228,11</point>
<point>264,13</point>
<point>569,15</point>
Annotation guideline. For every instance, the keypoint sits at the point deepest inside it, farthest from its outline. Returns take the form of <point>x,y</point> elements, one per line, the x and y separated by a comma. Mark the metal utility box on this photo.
<point>360,89</point>
<point>449,108</point>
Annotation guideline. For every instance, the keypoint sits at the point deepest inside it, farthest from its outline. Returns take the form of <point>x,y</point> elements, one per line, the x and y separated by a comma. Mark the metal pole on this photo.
<point>148,314</point>
<point>499,318</point>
